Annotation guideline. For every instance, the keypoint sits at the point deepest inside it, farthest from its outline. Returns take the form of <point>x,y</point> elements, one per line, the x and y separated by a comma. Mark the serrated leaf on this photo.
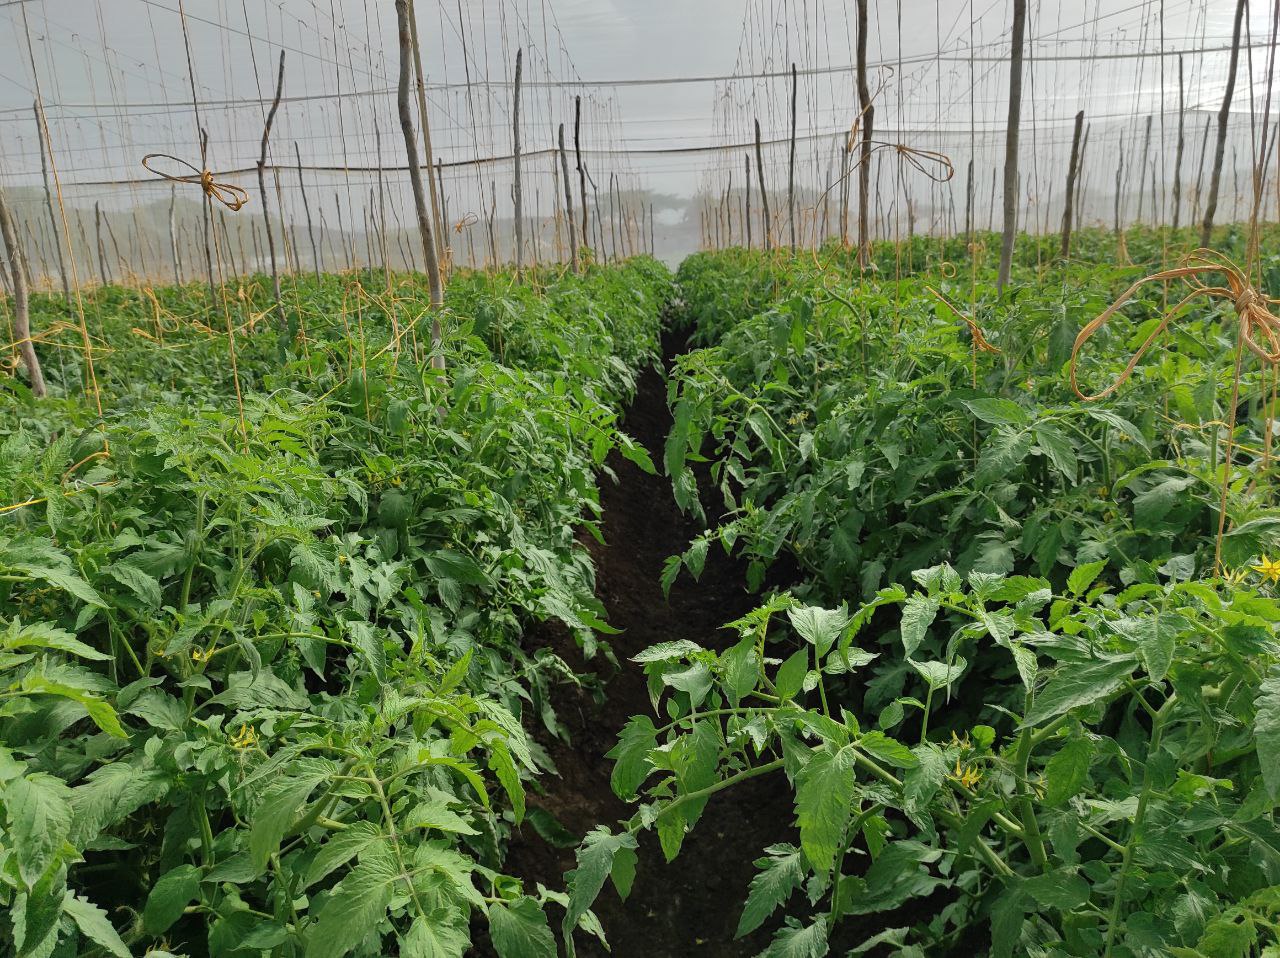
<point>39,814</point>
<point>888,750</point>
<point>781,873</point>
<point>1266,731</point>
<point>171,893</point>
<point>797,941</point>
<point>630,756</point>
<point>1058,446</point>
<point>790,677</point>
<point>595,862</point>
<point>1067,770</point>
<point>519,930</point>
<point>918,613</point>
<point>824,797</point>
<point>356,904</point>
<point>94,925</point>
<point>998,412</point>
<point>817,626</point>
<point>279,808</point>
<point>1076,684</point>
<point>666,651</point>
<point>340,849</point>
<point>1083,576</point>
<point>1003,450</point>
<point>1061,889</point>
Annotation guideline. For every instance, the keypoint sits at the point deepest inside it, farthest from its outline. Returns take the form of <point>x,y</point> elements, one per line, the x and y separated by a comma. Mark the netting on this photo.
<point>664,124</point>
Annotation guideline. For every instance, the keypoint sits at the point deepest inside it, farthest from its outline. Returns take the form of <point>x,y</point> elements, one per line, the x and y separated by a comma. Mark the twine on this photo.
<point>1255,319</point>
<point>228,194</point>
<point>980,341</point>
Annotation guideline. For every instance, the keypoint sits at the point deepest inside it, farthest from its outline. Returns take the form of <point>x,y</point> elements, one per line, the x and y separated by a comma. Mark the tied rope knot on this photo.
<point>228,194</point>
<point>1256,323</point>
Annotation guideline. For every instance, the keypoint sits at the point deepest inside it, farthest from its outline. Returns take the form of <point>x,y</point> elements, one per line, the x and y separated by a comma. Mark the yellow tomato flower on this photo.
<point>246,737</point>
<point>1269,569</point>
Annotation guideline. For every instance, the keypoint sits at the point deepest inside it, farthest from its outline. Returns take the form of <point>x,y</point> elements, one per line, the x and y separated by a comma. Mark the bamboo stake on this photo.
<point>1224,115</point>
<point>517,187</point>
<point>582,170</point>
<point>306,208</point>
<point>767,225</point>
<point>1072,172</point>
<point>1142,167</point>
<point>48,202</point>
<point>867,116</point>
<point>415,180</point>
<point>568,202</point>
<point>262,188</point>
<point>173,238</point>
<point>791,165</point>
<point>1011,144</point>
<point>438,223</point>
<point>21,309</point>
<point>1177,157</point>
<point>97,232</point>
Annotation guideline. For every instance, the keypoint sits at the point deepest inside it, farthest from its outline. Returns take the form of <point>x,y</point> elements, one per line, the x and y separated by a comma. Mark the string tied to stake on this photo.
<point>1259,328</point>
<point>228,194</point>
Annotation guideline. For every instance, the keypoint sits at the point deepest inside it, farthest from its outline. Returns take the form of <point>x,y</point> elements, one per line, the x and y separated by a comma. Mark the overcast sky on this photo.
<point>114,78</point>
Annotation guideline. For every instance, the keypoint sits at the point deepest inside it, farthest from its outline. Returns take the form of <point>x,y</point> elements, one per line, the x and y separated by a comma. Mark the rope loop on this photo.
<point>1259,328</point>
<point>228,194</point>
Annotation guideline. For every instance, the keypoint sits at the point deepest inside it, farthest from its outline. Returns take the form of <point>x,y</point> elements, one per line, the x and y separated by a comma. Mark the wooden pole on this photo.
<point>1119,180</point>
<point>1142,167</point>
<point>438,223</point>
<point>429,249</point>
<point>48,202</point>
<point>173,238</point>
<point>747,164</point>
<point>1177,157</point>
<point>568,202</point>
<point>97,233</point>
<point>968,202</point>
<point>1068,207</point>
<point>306,208</point>
<point>791,164</point>
<point>262,188</point>
<point>517,188</point>
<point>866,115</point>
<point>1224,115</point>
<point>21,300</point>
<point>767,225</point>
<point>1011,144</point>
<point>582,170</point>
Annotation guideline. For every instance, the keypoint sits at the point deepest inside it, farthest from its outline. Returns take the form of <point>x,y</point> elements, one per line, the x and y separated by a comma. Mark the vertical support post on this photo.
<point>866,116</point>
<point>415,181</point>
<point>1224,115</point>
<point>306,208</point>
<point>747,164</point>
<point>791,163</point>
<point>767,225</point>
<point>1011,144</point>
<point>437,222</point>
<point>21,299</point>
<point>262,188</point>
<point>48,202</point>
<point>1177,156</point>
<point>1068,208</point>
<point>568,202</point>
<point>518,191</point>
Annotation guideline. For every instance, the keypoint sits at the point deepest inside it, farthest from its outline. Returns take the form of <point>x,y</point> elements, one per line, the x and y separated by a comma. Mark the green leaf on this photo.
<point>340,849</point>
<point>1058,447</point>
<point>781,873</point>
<point>595,862</point>
<point>40,559</point>
<point>435,813</point>
<point>790,677</point>
<point>448,564</point>
<point>356,904</point>
<point>888,750</point>
<point>172,892</point>
<point>94,924</point>
<point>278,810</point>
<point>666,651</point>
<point>623,871</point>
<point>739,669</point>
<point>519,930</point>
<point>918,613</point>
<point>817,626</point>
<point>145,587</point>
<point>99,710</point>
<point>45,635</point>
<point>440,934</point>
<point>504,767</point>
<point>1067,770</point>
<point>1003,450</point>
<point>796,941</point>
<point>998,412</point>
<point>1083,576</point>
<point>1266,731</point>
<point>939,675</point>
<point>39,822</point>
<point>1079,683</point>
<point>630,756</point>
<point>824,796</point>
<point>1061,889</point>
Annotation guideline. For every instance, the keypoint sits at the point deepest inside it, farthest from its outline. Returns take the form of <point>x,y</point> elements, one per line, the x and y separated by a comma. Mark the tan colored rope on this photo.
<point>980,341</point>
<point>228,194</point>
